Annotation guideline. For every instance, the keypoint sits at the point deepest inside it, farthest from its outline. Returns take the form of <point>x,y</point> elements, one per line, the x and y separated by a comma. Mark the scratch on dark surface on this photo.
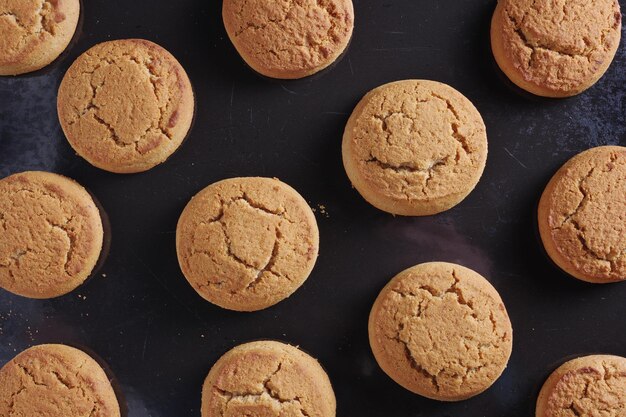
<point>174,296</point>
<point>516,160</point>
<point>288,90</point>
<point>232,100</point>
<point>350,65</point>
<point>336,113</point>
<point>129,321</point>
<point>145,340</point>
<point>406,49</point>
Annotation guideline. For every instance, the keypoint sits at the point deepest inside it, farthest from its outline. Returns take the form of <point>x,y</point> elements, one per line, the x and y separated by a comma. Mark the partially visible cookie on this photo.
<point>33,33</point>
<point>56,381</point>
<point>289,38</point>
<point>126,105</point>
<point>267,379</point>
<point>441,331</point>
<point>414,147</point>
<point>582,215</point>
<point>247,243</point>
<point>555,49</point>
<point>588,386</point>
<point>51,234</point>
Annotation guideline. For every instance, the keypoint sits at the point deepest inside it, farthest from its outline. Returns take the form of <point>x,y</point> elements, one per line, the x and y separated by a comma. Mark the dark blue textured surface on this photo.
<point>160,338</point>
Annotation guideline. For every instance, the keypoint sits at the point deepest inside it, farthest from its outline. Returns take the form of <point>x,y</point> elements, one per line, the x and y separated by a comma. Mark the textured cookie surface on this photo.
<point>587,387</point>
<point>50,234</point>
<point>33,33</point>
<point>289,38</point>
<point>414,147</point>
<point>555,48</point>
<point>582,215</point>
<point>247,243</point>
<point>267,379</point>
<point>441,330</point>
<point>126,105</point>
<point>55,381</point>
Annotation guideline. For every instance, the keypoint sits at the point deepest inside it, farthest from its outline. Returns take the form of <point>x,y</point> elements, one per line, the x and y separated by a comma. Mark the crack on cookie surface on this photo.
<point>126,105</point>
<point>267,268</point>
<point>93,109</point>
<point>576,226</point>
<point>52,231</point>
<point>42,22</point>
<point>290,35</point>
<point>588,391</point>
<point>559,54</point>
<point>260,397</point>
<point>414,143</point>
<point>36,380</point>
<point>419,316</point>
<point>251,242</point>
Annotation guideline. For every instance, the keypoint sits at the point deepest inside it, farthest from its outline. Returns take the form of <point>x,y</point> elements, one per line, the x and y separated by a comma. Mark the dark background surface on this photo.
<point>160,338</point>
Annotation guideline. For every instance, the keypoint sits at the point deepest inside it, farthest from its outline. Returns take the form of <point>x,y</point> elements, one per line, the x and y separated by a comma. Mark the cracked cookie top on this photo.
<point>267,379</point>
<point>289,38</point>
<point>247,243</point>
<point>56,381</point>
<point>441,331</point>
<point>588,386</point>
<point>414,147</point>
<point>555,48</point>
<point>33,33</point>
<point>126,105</point>
<point>50,234</point>
<point>582,215</point>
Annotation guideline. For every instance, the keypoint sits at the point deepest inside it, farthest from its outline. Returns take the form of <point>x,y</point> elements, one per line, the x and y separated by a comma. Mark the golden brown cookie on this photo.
<point>126,105</point>
<point>441,331</point>
<point>33,33</point>
<point>588,386</point>
<point>582,215</point>
<point>247,243</point>
<point>414,147</point>
<point>56,381</point>
<point>289,38</point>
<point>50,234</point>
<point>555,48</point>
<point>267,379</point>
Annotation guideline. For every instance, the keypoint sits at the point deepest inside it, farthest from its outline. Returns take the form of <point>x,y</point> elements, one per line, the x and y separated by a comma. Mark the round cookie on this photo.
<point>441,331</point>
<point>126,105</point>
<point>555,48</point>
<point>51,234</point>
<point>582,215</point>
<point>247,243</point>
<point>56,381</point>
<point>414,147</point>
<point>588,386</point>
<point>267,379</point>
<point>33,33</point>
<point>289,39</point>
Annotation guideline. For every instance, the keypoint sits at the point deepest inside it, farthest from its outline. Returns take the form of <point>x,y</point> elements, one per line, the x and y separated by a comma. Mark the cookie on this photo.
<point>126,105</point>
<point>289,39</point>
<point>247,243</point>
<point>33,33</point>
<point>267,379</point>
<point>56,381</point>
<point>555,49</point>
<point>441,331</point>
<point>588,386</point>
<point>582,215</point>
<point>414,147</point>
<point>51,234</point>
